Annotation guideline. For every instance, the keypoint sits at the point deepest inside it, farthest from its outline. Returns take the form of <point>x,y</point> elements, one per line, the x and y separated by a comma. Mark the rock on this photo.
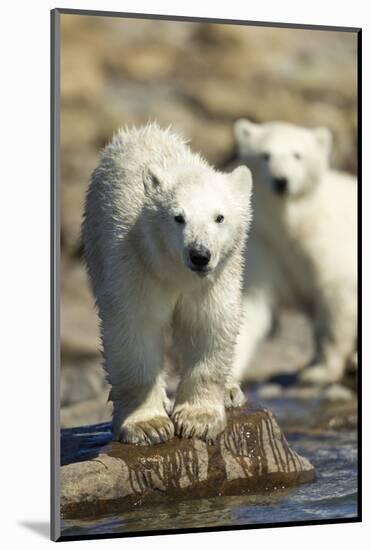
<point>217,99</point>
<point>316,416</point>
<point>81,382</point>
<point>82,75</point>
<point>79,319</point>
<point>338,392</point>
<point>79,127</point>
<point>83,413</point>
<point>345,420</point>
<point>72,200</point>
<point>252,455</point>
<point>334,416</point>
<point>220,36</point>
<point>79,330</point>
<point>303,392</point>
<point>145,62</point>
<point>270,391</point>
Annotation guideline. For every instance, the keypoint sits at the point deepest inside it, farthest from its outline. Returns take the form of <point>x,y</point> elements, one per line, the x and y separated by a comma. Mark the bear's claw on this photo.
<point>199,423</point>
<point>150,432</point>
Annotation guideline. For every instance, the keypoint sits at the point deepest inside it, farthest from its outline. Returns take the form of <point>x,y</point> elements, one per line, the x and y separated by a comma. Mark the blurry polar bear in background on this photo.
<point>303,245</point>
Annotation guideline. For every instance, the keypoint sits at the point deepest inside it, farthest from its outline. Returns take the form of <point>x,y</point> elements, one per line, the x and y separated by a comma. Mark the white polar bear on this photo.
<point>303,245</point>
<point>164,237</point>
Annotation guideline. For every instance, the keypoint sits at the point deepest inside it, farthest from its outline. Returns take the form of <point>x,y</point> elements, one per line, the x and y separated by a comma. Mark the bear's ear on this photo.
<point>244,130</point>
<point>152,179</point>
<point>324,138</point>
<point>242,179</point>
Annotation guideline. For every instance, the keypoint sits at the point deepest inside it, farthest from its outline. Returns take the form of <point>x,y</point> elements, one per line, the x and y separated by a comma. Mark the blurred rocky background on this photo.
<point>199,78</point>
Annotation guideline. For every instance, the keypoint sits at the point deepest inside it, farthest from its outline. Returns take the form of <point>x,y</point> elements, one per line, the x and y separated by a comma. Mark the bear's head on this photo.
<point>289,159</point>
<point>196,215</point>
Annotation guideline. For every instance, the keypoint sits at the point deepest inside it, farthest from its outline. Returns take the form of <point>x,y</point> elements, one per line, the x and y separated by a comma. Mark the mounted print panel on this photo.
<point>205,184</point>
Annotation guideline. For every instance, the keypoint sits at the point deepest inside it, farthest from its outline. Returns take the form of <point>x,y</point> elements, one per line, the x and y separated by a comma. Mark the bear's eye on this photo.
<point>219,218</point>
<point>179,219</point>
<point>265,156</point>
<point>297,156</point>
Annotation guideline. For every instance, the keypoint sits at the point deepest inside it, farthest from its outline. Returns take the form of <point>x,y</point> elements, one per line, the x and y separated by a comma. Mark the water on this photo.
<point>332,496</point>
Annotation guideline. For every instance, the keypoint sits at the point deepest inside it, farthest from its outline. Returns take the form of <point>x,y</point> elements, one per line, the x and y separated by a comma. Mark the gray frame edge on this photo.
<point>55,530</point>
<point>194,19</point>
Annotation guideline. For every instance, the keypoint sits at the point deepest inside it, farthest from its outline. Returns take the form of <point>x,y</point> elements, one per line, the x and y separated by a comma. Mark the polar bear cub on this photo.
<point>164,236</point>
<point>303,244</point>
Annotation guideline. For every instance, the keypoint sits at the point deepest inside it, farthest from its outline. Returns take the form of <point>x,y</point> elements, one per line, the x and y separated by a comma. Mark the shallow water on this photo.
<point>333,495</point>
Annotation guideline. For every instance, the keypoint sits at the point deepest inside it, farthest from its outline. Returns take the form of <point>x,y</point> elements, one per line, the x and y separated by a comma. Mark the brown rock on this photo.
<point>81,74</point>
<point>337,393</point>
<point>341,422</point>
<point>79,320</point>
<point>72,201</point>
<point>218,98</point>
<point>252,455</point>
<point>82,381</point>
<point>221,36</point>
<point>145,62</point>
<point>94,410</point>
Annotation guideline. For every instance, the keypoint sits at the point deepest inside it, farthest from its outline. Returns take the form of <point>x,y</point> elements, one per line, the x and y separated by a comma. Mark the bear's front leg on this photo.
<point>133,339</point>
<point>205,338</point>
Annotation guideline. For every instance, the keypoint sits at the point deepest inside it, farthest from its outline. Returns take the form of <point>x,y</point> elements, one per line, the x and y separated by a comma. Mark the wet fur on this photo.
<point>146,294</point>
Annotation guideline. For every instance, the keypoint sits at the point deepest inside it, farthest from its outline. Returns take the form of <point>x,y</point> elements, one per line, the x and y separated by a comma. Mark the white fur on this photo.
<point>139,264</point>
<point>303,245</point>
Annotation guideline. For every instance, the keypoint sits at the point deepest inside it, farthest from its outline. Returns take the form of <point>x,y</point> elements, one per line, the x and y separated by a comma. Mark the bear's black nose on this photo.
<point>280,185</point>
<point>199,257</point>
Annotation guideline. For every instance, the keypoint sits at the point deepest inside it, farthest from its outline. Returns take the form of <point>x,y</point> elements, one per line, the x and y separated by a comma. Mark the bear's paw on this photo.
<point>234,396</point>
<point>204,423</point>
<point>149,432</point>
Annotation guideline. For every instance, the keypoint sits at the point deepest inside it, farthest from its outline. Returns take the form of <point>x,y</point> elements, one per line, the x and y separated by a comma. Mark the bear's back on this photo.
<point>133,149</point>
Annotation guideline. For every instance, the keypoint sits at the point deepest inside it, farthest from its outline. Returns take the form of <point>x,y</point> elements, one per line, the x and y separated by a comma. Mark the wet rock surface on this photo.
<point>252,455</point>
